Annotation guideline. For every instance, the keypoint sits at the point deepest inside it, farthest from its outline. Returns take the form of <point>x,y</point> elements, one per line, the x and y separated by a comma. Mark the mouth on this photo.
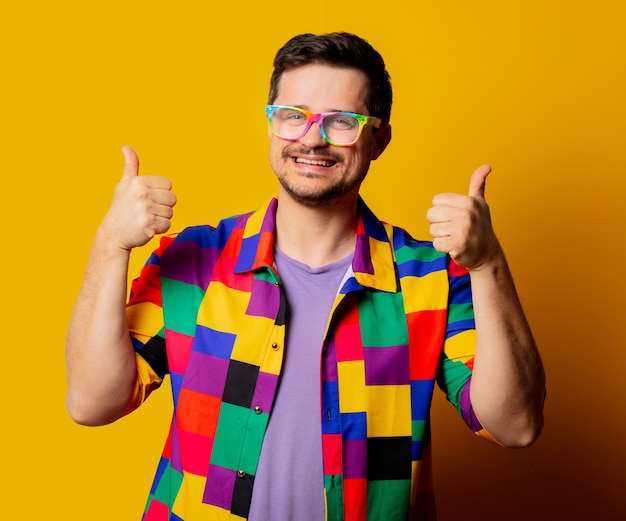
<point>326,163</point>
<point>313,158</point>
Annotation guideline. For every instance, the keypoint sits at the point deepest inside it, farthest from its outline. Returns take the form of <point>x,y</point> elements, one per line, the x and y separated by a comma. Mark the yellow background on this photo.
<point>535,88</point>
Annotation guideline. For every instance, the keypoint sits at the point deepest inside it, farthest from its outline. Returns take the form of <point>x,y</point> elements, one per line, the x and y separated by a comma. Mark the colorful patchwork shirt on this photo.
<point>208,310</point>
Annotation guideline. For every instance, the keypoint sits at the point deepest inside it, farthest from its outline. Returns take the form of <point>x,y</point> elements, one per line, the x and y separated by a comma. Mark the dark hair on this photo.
<point>340,50</point>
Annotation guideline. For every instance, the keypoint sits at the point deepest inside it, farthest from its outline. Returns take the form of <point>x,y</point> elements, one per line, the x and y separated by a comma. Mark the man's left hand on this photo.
<point>461,224</point>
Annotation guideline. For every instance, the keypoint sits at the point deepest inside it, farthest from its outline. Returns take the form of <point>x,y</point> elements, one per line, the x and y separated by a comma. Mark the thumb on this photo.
<point>477,181</point>
<point>131,163</point>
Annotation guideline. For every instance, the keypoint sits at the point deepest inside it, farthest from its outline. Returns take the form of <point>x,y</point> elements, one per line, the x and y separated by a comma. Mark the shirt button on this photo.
<point>257,409</point>
<point>241,474</point>
<point>275,346</point>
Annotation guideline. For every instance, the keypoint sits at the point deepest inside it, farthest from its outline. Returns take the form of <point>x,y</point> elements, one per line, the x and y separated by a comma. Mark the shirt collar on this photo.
<point>373,262</point>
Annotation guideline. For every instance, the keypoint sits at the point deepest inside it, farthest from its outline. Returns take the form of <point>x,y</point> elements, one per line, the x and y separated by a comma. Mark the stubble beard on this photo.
<point>316,197</point>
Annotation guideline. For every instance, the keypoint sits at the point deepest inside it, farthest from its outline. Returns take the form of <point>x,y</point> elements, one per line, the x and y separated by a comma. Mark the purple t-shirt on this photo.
<point>289,484</point>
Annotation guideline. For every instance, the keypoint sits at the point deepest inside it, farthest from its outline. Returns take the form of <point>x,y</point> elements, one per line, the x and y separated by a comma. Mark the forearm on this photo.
<point>99,355</point>
<point>508,381</point>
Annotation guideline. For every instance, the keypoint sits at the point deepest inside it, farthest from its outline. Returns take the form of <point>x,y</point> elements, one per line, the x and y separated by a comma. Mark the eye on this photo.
<point>291,116</point>
<point>341,122</point>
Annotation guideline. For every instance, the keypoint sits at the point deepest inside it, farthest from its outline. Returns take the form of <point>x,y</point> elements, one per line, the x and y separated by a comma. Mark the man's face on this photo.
<point>310,170</point>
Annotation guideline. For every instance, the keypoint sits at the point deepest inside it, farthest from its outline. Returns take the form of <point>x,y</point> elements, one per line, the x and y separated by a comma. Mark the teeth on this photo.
<point>316,162</point>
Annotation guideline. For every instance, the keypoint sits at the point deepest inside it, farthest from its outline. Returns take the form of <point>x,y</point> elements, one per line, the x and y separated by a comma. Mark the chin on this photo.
<point>315,198</point>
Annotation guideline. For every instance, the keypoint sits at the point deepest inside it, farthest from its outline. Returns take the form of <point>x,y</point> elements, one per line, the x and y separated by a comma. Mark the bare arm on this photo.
<point>100,360</point>
<point>508,380</point>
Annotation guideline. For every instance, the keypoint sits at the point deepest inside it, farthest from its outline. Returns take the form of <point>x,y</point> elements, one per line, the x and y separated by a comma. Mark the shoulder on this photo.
<point>416,257</point>
<point>206,235</point>
<point>193,252</point>
<point>398,236</point>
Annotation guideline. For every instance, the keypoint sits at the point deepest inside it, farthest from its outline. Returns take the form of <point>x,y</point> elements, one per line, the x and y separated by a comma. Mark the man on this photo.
<point>303,340</point>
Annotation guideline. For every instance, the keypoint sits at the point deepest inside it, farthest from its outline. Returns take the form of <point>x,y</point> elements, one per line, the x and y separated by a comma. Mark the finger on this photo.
<point>157,182</point>
<point>159,210</point>
<point>444,245</point>
<point>131,163</point>
<point>442,213</point>
<point>450,199</point>
<point>438,230</point>
<point>477,181</point>
<point>161,224</point>
<point>164,198</point>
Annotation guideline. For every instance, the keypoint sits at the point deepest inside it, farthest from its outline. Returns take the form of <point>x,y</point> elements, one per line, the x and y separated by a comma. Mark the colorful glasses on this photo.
<point>337,128</point>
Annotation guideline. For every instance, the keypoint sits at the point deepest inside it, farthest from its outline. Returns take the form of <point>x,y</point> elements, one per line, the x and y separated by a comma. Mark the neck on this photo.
<point>315,236</point>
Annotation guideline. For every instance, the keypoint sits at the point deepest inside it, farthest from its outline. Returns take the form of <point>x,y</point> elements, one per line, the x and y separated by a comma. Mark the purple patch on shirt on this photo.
<point>467,410</point>
<point>264,392</point>
<point>269,221</point>
<point>362,261</point>
<point>386,365</point>
<point>176,460</point>
<point>354,459</point>
<point>222,484</point>
<point>196,266</point>
<point>329,361</point>
<point>264,300</point>
<point>206,374</point>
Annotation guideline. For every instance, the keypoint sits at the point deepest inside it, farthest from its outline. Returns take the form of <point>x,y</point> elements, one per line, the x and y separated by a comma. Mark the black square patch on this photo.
<point>154,353</point>
<point>240,383</point>
<point>242,496</point>
<point>389,458</point>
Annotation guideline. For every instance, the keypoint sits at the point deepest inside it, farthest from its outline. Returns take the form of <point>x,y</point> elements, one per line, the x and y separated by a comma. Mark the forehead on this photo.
<point>323,88</point>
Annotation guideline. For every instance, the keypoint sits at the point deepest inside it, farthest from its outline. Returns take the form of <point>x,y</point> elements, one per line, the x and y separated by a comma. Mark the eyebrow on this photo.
<point>305,107</point>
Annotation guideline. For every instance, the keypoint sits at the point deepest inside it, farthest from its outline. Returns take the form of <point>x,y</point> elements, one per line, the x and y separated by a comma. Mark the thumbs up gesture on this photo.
<point>142,206</point>
<point>461,224</point>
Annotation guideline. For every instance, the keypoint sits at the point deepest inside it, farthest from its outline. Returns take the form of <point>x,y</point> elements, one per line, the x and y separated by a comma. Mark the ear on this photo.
<point>382,137</point>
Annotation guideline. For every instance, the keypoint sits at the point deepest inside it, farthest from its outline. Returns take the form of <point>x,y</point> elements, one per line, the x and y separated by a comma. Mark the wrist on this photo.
<point>106,244</point>
<point>494,262</point>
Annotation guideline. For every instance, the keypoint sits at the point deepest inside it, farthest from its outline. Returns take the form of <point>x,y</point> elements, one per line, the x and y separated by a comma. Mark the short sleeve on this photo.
<point>457,359</point>
<point>144,317</point>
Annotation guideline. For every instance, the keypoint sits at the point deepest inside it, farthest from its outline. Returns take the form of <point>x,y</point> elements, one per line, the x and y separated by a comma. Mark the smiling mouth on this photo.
<point>326,163</point>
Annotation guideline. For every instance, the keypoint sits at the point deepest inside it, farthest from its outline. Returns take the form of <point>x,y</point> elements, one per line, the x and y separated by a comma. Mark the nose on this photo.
<point>313,136</point>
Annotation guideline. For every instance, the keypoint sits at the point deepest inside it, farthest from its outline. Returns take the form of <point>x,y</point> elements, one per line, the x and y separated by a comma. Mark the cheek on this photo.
<point>275,150</point>
<point>362,155</point>
<point>365,149</point>
<point>276,160</point>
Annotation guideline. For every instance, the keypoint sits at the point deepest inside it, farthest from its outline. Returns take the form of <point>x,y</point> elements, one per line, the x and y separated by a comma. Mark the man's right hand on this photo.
<point>101,364</point>
<point>142,206</point>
